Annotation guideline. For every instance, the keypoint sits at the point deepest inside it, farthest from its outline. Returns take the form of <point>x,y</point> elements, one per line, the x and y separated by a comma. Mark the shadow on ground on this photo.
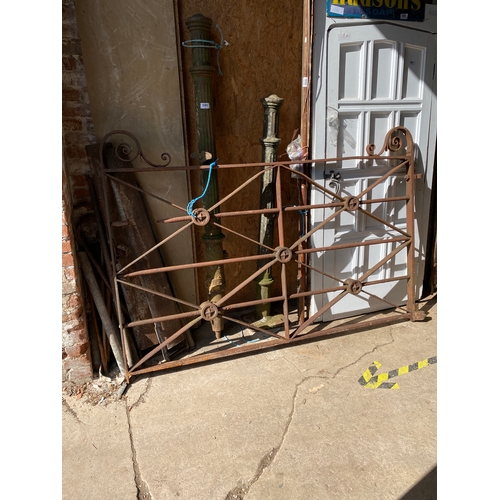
<point>425,489</point>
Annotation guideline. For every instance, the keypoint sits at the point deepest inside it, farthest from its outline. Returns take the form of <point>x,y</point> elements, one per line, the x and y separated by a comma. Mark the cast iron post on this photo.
<point>270,143</point>
<point>202,72</point>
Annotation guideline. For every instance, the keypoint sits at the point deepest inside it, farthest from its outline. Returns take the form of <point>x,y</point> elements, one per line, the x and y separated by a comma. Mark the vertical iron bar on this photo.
<point>285,301</point>
<point>281,239</point>
<point>410,227</point>
<point>279,206</point>
<point>304,136</point>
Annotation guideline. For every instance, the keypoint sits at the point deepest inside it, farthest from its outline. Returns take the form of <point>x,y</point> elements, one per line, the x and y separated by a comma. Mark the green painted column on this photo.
<point>270,143</point>
<point>203,72</point>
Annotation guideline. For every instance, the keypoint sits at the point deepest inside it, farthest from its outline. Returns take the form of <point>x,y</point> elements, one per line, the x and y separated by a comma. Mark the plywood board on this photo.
<point>132,70</point>
<point>260,55</point>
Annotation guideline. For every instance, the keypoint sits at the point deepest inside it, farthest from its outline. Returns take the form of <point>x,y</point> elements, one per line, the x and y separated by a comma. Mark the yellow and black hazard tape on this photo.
<point>370,381</point>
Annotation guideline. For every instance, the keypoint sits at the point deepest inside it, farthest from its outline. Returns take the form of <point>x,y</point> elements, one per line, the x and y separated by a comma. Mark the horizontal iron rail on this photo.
<point>257,164</point>
<point>196,265</point>
<point>267,344</point>
<point>160,319</point>
<point>354,244</point>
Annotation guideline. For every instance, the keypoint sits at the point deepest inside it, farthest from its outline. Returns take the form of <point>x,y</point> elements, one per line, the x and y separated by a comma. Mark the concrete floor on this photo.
<point>292,423</point>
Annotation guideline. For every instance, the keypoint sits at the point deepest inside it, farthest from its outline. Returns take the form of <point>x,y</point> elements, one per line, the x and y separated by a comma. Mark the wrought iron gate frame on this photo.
<point>290,333</point>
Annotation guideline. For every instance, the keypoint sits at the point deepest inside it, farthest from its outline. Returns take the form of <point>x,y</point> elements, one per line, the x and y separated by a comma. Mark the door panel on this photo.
<point>384,68</point>
<point>351,71</point>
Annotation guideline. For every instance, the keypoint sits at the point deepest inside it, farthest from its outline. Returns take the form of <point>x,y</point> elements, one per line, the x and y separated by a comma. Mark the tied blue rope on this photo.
<point>303,213</point>
<point>189,208</point>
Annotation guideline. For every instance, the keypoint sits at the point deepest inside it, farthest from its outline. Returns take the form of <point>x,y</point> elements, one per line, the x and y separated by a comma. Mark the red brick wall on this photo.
<point>78,131</point>
<point>76,361</point>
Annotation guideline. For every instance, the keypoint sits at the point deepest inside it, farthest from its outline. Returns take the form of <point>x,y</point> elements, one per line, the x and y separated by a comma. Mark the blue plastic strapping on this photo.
<point>189,208</point>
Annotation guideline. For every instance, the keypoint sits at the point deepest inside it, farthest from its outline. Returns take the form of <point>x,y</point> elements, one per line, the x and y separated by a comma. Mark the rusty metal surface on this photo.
<point>397,150</point>
<point>130,234</point>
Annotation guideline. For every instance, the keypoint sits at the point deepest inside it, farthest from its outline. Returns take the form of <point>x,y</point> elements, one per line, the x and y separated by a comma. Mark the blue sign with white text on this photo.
<point>396,10</point>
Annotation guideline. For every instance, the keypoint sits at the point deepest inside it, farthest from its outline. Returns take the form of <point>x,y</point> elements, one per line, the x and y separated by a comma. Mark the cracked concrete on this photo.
<point>96,453</point>
<point>292,423</point>
<point>142,487</point>
<point>239,492</point>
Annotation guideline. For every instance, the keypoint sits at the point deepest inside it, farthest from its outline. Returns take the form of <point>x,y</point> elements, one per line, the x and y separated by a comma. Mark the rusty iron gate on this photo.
<point>397,151</point>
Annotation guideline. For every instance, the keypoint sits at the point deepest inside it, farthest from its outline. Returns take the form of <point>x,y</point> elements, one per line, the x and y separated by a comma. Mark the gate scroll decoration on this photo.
<point>398,150</point>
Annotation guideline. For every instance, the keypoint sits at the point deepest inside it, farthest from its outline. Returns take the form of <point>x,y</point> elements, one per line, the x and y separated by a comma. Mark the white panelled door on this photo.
<point>372,77</point>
